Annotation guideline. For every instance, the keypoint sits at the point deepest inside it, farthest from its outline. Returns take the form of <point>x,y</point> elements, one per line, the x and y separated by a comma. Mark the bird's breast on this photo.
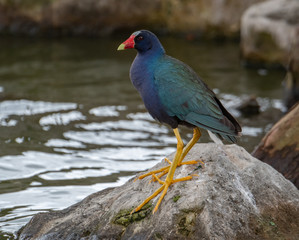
<point>143,80</point>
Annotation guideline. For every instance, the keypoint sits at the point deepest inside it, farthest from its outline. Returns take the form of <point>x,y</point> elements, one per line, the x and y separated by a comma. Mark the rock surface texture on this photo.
<point>280,147</point>
<point>270,33</point>
<point>102,17</point>
<point>234,196</point>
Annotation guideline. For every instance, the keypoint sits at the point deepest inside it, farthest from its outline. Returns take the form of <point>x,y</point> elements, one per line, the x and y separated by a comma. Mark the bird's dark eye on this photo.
<point>139,38</point>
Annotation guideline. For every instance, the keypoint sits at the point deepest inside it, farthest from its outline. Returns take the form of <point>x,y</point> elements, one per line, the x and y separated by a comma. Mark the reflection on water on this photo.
<point>72,124</point>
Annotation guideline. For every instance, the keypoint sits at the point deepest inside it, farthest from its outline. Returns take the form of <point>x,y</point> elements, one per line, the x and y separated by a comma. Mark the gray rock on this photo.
<point>270,33</point>
<point>234,196</point>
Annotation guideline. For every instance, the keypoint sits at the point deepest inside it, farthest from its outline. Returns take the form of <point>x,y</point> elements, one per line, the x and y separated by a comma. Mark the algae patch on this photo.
<point>176,198</point>
<point>124,217</point>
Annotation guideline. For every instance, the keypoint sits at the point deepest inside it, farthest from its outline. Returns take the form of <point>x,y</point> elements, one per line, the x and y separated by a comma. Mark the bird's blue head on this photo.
<point>144,42</point>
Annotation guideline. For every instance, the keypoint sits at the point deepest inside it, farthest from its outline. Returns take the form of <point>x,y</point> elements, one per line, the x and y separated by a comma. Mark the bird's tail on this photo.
<point>230,121</point>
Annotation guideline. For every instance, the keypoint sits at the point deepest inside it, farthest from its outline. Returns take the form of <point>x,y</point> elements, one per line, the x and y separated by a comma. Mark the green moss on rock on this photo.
<point>124,217</point>
<point>176,198</point>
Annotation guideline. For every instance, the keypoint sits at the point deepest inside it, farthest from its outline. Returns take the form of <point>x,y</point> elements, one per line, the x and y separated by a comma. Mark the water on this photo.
<point>72,124</point>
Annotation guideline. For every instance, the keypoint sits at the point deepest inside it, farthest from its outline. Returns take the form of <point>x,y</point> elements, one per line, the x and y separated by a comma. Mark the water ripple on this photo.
<point>61,118</point>
<point>107,111</point>
<point>141,125</point>
<point>115,138</point>
<point>27,107</point>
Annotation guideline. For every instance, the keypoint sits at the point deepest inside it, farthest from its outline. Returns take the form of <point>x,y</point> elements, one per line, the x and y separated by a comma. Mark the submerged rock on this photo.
<point>249,107</point>
<point>280,146</point>
<point>234,196</point>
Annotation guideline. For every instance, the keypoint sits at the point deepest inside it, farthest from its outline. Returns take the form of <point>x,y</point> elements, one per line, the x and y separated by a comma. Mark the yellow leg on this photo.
<point>187,148</point>
<point>195,138</point>
<point>169,179</point>
<point>148,199</point>
<point>165,170</point>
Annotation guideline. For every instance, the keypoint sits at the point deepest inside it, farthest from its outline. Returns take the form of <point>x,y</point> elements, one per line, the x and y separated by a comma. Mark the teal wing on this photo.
<point>185,96</point>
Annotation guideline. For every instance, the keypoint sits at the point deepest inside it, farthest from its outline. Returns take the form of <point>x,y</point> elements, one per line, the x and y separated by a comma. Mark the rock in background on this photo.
<point>213,18</point>
<point>291,85</point>
<point>270,33</point>
<point>101,17</point>
<point>280,146</point>
<point>235,196</point>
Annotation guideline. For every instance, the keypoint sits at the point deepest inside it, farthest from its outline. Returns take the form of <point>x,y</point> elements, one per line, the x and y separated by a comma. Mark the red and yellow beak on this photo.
<point>129,43</point>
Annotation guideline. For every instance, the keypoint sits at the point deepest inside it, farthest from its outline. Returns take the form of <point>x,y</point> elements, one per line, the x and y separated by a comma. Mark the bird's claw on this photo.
<point>165,171</point>
<point>164,187</point>
<point>167,160</point>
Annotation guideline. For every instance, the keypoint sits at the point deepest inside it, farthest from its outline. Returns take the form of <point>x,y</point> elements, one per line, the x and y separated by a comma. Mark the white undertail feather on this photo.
<point>215,138</point>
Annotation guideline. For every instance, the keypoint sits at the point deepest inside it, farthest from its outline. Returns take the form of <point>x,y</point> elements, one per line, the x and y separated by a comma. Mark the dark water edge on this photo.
<point>72,124</point>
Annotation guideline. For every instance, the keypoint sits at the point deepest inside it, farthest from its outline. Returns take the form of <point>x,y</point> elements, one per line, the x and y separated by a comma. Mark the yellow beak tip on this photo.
<point>121,47</point>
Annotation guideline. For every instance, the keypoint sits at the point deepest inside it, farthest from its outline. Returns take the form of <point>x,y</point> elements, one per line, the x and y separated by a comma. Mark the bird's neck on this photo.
<point>151,54</point>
